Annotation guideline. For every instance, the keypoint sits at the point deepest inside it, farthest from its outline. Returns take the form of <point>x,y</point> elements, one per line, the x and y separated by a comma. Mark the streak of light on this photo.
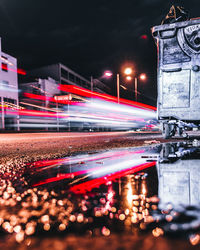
<point>107,176</point>
<point>88,93</point>
<point>76,159</point>
<point>39,97</point>
<point>18,71</point>
<point>40,107</point>
<point>122,86</point>
<point>8,88</point>
<point>89,185</point>
<point>123,108</point>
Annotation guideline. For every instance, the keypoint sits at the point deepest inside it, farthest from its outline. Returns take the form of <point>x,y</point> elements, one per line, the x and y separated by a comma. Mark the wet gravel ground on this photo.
<point>16,199</point>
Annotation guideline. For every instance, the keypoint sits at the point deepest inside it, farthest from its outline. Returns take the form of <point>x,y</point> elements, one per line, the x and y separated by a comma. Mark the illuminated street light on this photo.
<point>129,78</point>
<point>128,71</point>
<point>143,77</point>
<point>108,73</point>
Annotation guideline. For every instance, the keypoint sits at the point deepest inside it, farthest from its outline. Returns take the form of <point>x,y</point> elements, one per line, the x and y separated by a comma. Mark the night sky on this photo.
<point>87,36</point>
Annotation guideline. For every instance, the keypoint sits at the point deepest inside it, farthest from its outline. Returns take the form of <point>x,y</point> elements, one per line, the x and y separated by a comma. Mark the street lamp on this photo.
<point>127,71</point>
<point>141,77</point>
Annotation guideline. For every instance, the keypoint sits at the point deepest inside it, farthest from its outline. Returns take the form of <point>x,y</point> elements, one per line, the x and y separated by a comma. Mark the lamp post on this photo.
<point>128,72</point>
<point>109,74</point>
<point>136,83</point>
<point>118,88</point>
<point>141,77</point>
<point>57,121</point>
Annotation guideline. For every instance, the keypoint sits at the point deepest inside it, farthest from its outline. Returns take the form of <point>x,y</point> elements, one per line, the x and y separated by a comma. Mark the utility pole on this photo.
<point>118,88</point>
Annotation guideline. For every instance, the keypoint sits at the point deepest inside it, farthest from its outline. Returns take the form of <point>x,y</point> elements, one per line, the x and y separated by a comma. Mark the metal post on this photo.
<point>2,113</point>
<point>68,115</point>
<point>18,127</point>
<point>57,115</point>
<point>136,83</point>
<point>118,88</point>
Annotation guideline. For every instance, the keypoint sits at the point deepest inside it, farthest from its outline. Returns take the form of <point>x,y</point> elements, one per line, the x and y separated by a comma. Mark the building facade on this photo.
<point>36,96</point>
<point>8,92</point>
<point>64,75</point>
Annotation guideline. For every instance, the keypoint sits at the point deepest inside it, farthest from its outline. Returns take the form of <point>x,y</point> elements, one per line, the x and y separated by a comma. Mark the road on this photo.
<point>67,143</point>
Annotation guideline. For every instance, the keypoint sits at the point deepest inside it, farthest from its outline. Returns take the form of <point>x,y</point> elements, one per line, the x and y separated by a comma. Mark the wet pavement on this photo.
<point>146,193</point>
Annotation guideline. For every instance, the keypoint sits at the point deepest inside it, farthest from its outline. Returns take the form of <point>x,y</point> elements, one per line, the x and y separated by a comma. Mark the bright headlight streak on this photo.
<point>119,166</point>
<point>39,125</point>
<point>124,109</point>
<point>40,107</point>
<point>78,119</point>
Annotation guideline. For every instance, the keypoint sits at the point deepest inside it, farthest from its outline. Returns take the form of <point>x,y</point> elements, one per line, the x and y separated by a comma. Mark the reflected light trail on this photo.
<point>77,159</point>
<point>82,188</point>
<point>96,168</point>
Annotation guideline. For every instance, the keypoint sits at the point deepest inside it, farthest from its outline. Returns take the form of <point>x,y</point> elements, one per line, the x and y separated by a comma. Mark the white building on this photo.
<point>8,91</point>
<point>29,91</point>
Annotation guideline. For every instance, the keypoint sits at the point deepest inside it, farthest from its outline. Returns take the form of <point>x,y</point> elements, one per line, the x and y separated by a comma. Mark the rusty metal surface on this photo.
<point>178,70</point>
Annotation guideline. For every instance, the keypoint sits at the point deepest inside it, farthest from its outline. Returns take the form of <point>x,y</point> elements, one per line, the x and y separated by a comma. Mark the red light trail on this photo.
<point>18,71</point>
<point>87,93</point>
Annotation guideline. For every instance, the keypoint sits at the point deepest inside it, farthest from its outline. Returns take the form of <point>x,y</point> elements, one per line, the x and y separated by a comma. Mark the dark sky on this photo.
<point>87,36</point>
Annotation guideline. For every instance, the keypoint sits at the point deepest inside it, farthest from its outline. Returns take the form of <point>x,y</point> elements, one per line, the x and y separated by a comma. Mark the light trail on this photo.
<point>77,159</point>
<point>88,93</point>
<point>99,113</point>
<point>87,186</point>
<point>98,168</point>
<point>18,71</point>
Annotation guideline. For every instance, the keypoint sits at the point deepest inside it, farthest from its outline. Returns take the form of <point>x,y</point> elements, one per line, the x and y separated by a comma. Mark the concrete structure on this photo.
<point>8,91</point>
<point>178,175</point>
<point>178,75</point>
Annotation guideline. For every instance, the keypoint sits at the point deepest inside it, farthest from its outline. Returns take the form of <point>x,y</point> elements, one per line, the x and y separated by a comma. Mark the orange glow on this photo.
<point>128,71</point>
<point>143,77</point>
<point>129,78</point>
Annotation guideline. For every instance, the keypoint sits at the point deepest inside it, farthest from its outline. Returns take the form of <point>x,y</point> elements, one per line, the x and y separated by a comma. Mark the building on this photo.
<point>41,85</point>
<point>100,87</point>
<point>65,75</point>
<point>36,96</point>
<point>8,92</point>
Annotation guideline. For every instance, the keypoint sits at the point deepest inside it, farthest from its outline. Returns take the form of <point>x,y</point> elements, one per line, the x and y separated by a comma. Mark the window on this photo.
<point>4,67</point>
<point>71,77</point>
<point>64,73</point>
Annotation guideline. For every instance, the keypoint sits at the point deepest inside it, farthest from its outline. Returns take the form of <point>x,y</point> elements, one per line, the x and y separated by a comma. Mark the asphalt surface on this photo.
<point>12,145</point>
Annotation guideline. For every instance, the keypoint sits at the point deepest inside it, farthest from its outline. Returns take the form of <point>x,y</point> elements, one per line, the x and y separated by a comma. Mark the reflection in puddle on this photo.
<point>149,188</point>
<point>135,180</point>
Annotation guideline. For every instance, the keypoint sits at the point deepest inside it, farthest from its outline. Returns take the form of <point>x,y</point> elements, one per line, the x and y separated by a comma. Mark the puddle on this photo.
<point>151,189</point>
